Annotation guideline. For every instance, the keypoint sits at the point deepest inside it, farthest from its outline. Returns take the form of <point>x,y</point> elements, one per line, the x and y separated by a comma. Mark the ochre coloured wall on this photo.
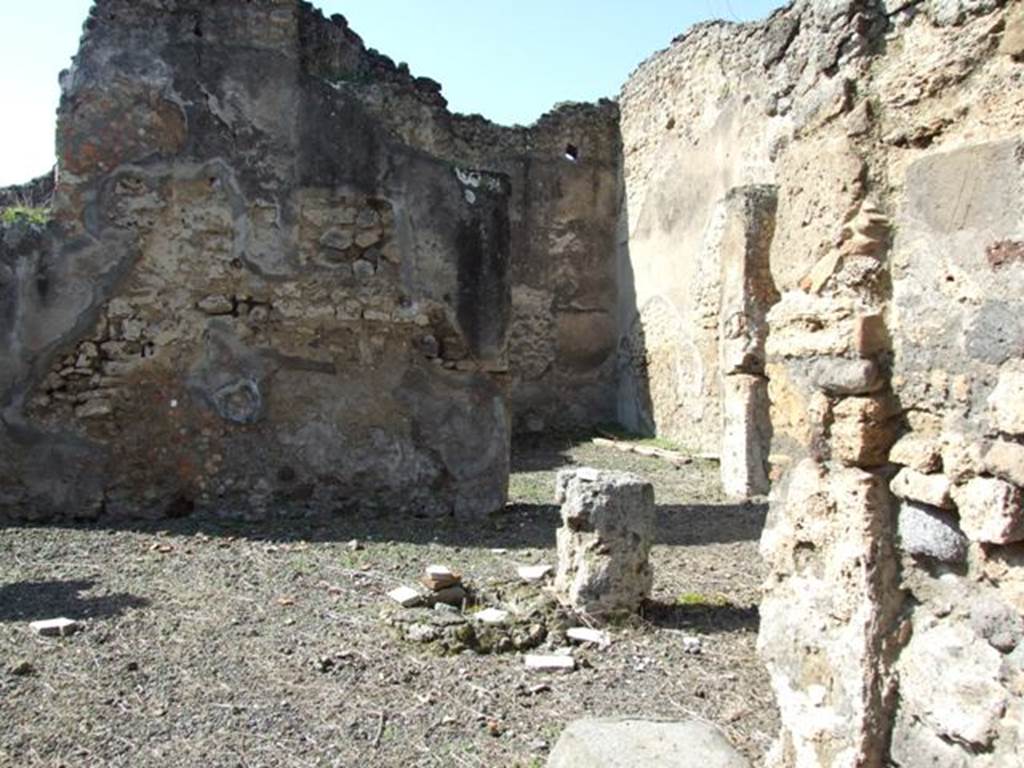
<point>890,135</point>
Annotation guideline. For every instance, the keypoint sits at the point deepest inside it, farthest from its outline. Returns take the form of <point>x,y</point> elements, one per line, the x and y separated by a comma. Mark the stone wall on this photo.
<point>282,276</point>
<point>889,136</point>
<point>565,189</point>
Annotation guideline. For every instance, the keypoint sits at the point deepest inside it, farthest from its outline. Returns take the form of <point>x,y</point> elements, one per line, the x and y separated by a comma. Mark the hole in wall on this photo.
<point>572,153</point>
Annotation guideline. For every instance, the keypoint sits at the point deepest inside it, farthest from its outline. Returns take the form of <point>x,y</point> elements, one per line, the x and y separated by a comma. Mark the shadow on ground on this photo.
<point>518,526</point>
<point>703,619</point>
<point>693,517</point>
<point>36,600</point>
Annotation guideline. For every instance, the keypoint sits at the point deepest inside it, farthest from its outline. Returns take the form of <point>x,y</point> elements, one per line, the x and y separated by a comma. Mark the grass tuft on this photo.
<point>16,213</point>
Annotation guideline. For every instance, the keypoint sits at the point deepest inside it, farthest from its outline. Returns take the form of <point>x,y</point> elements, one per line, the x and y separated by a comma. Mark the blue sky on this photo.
<point>509,66</point>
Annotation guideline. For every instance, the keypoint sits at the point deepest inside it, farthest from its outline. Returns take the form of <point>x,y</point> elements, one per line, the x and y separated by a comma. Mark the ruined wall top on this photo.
<point>328,48</point>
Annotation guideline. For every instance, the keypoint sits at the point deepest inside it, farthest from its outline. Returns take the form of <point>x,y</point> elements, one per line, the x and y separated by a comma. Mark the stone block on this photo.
<point>549,663</point>
<point>805,326</point>
<point>1006,403</point>
<point>933,490</point>
<point>1012,42</point>
<point>998,623</point>
<point>991,510</point>
<point>929,532</point>
<point>746,436</point>
<point>962,457</point>
<point>840,376</point>
<point>55,627</point>
<point>950,682</point>
<point>1006,460</point>
<point>919,453</point>
<point>630,743</point>
<point>605,541</point>
<point>863,430</point>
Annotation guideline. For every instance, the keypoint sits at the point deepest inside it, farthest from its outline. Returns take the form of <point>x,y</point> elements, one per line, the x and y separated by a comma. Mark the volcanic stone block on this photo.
<point>605,540</point>
<point>928,532</point>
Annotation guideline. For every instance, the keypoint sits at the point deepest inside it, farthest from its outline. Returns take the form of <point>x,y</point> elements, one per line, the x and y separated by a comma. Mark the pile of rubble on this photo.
<point>603,571</point>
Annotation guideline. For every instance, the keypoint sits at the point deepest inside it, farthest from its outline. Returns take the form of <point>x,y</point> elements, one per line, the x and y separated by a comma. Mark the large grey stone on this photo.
<point>998,623</point>
<point>841,376</point>
<point>605,540</point>
<point>952,12</point>
<point>628,743</point>
<point>929,532</point>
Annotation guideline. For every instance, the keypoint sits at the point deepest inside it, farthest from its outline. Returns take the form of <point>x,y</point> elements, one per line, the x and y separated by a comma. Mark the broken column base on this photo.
<point>605,541</point>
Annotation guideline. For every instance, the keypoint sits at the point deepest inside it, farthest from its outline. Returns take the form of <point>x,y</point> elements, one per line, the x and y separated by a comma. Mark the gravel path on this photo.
<point>213,643</point>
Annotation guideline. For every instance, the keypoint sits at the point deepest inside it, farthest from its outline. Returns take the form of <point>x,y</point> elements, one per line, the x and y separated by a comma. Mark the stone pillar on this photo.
<point>830,614</point>
<point>605,541</point>
<point>746,435</point>
<point>747,293</point>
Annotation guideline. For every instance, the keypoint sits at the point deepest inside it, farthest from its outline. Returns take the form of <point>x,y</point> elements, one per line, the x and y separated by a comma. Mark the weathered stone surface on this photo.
<point>1006,460</point>
<point>746,436</point>
<point>1012,42</point>
<point>840,376</point>
<point>962,457</point>
<point>863,430</point>
<point>930,532</point>
<point>949,681</point>
<point>833,588</point>
<point>1007,402</point>
<point>991,510</point>
<point>253,257</point>
<point>957,313</point>
<point>931,490</point>
<point>747,289</point>
<point>899,200</point>
<point>951,12</point>
<point>957,340</point>
<point>998,623</point>
<point>629,743</point>
<point>605,541</point>
<point>804,326</point>
<point>922,454</point>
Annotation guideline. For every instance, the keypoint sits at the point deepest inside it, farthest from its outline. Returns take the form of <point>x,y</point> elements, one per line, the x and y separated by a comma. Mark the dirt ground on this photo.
<point>213,643</point>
